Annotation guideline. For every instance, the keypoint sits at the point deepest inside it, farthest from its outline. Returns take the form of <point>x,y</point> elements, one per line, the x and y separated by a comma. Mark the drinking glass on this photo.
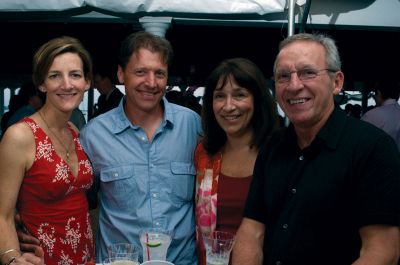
<point>157,262</point>
<point>155,243</point>
<point>218,245</point>
<point>118,253</point>
<point>121,260</point>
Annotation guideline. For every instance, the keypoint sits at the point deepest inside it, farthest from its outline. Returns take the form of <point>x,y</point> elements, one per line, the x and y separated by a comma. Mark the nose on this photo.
<point>229,104</point>
<point>294,83</point>
<point>151,79</point>
<point>67,84</point>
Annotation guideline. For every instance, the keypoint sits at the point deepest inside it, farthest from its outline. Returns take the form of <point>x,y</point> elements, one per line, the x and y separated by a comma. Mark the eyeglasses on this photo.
<point>303,75</point>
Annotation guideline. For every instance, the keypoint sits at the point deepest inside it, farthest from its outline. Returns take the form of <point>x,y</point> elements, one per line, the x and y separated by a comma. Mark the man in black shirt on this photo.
<point>326,190</point>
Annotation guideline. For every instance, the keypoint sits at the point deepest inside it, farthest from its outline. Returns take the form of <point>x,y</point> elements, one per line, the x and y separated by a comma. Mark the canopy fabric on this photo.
<point>48,5</point>
<point>260,7</point>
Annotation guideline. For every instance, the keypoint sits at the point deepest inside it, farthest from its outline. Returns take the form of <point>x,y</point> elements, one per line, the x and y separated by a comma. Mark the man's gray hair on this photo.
<point>332,57</point>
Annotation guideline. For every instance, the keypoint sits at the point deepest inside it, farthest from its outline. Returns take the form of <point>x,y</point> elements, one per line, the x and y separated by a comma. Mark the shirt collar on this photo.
<point>329,133</point>
<point>122,123</point>
<point>332,130</point>
<point>389,101</point>
<point>110,92</point>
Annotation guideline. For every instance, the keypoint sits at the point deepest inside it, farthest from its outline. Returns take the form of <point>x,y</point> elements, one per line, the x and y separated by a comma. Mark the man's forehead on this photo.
<point>301,52</point>
<point>144,55</point>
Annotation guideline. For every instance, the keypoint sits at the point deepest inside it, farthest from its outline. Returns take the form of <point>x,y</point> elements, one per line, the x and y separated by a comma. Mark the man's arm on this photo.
<point>27,242</point>
<point>248,248</point>
<point>380,245</point>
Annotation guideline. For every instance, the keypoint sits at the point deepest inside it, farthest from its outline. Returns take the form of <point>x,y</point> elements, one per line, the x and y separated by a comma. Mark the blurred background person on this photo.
<point>386,114</point>
<point>30,99</point>
<point>77,118</point>
<point>12,107</point>
<point>184,99</point>
<point>110,95</point>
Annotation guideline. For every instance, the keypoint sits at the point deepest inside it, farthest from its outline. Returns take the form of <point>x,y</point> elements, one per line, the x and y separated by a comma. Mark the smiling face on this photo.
<point>145,80</point>
<point>307,103</point>
<point>65,82</point>
<point>233,108</point>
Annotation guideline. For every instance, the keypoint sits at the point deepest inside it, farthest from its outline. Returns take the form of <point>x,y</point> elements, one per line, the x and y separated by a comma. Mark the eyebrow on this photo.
<point>306,66</point>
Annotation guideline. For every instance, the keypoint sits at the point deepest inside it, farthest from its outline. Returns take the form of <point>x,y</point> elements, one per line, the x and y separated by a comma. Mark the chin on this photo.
<point>298,120</point>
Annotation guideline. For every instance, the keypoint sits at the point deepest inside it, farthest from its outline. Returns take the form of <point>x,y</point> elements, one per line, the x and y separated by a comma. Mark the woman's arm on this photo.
<point>17,149</point>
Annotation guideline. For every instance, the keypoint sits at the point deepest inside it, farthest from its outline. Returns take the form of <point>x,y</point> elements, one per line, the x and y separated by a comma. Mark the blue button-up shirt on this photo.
<point>145,184</point>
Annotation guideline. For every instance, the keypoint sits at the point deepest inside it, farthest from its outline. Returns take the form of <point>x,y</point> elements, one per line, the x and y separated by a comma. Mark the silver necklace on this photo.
<point>55,136</point>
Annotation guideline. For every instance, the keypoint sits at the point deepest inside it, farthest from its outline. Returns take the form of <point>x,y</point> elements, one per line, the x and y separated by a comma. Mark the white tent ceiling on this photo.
<point>382,15</point>
<point>133,6</point>
<point>356,13</point>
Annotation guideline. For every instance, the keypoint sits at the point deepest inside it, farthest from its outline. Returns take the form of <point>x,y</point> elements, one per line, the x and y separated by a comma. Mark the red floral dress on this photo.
<point>53,205</point>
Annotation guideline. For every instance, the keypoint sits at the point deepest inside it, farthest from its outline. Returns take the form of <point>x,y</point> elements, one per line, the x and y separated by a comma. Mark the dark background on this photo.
<point>367,54</point>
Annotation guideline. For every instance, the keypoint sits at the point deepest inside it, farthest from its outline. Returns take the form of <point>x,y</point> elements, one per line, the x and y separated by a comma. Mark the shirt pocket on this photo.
<point>117,185</point>
<point>183,177</point>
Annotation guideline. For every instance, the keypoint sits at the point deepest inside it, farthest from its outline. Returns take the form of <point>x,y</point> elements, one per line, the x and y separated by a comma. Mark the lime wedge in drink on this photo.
<point>153,244</point>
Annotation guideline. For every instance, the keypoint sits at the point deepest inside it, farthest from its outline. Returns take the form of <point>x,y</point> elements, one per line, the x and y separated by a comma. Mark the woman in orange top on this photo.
<point>238,116</point>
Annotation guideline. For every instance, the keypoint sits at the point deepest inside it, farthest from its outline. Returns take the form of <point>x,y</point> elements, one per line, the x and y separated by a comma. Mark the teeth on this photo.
<point>297,101</point>
<point>231,117</point>
<point>148,94</point>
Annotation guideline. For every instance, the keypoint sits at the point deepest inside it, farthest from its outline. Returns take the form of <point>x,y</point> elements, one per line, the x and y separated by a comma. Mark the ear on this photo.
<point>42,89</point>
<point>338,83</point>
<point>120,74</point>
<point>88,85</point>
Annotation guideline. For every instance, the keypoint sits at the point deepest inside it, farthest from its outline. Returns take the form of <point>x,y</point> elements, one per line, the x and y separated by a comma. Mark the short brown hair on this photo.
<point>138,40</point>
<point>45,55</point>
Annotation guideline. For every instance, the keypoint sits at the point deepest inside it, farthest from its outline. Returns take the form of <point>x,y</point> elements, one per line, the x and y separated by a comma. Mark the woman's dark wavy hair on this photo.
<point>247,75</point>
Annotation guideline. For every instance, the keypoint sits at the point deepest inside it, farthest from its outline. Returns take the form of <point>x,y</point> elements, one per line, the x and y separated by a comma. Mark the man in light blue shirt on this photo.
<point>144,184</point>
<point>142,155</point>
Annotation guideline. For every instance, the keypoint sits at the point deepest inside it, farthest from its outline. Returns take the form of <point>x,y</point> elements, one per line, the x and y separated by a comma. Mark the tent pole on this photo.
<point>292,4</point>
<point>304,17</point>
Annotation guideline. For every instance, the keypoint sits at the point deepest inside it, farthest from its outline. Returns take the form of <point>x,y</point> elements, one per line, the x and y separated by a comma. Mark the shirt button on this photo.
<point>143,138</point>
<point>294,191</point>
<point>301,158</point>
<point>285,226</point>
<point>154,195</point>
<point>157,224</point>
<point>115,174</point>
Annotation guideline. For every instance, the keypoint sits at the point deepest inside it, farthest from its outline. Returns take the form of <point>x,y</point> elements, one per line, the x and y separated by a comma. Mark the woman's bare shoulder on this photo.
<point>19,135</point>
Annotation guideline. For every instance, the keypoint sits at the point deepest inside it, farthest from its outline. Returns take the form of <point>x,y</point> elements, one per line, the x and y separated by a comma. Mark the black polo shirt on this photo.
<point>314,201</point>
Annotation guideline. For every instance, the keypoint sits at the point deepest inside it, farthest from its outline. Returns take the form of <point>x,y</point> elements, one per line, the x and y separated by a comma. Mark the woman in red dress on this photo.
<point>238,115</point>
<point>44,171</point>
